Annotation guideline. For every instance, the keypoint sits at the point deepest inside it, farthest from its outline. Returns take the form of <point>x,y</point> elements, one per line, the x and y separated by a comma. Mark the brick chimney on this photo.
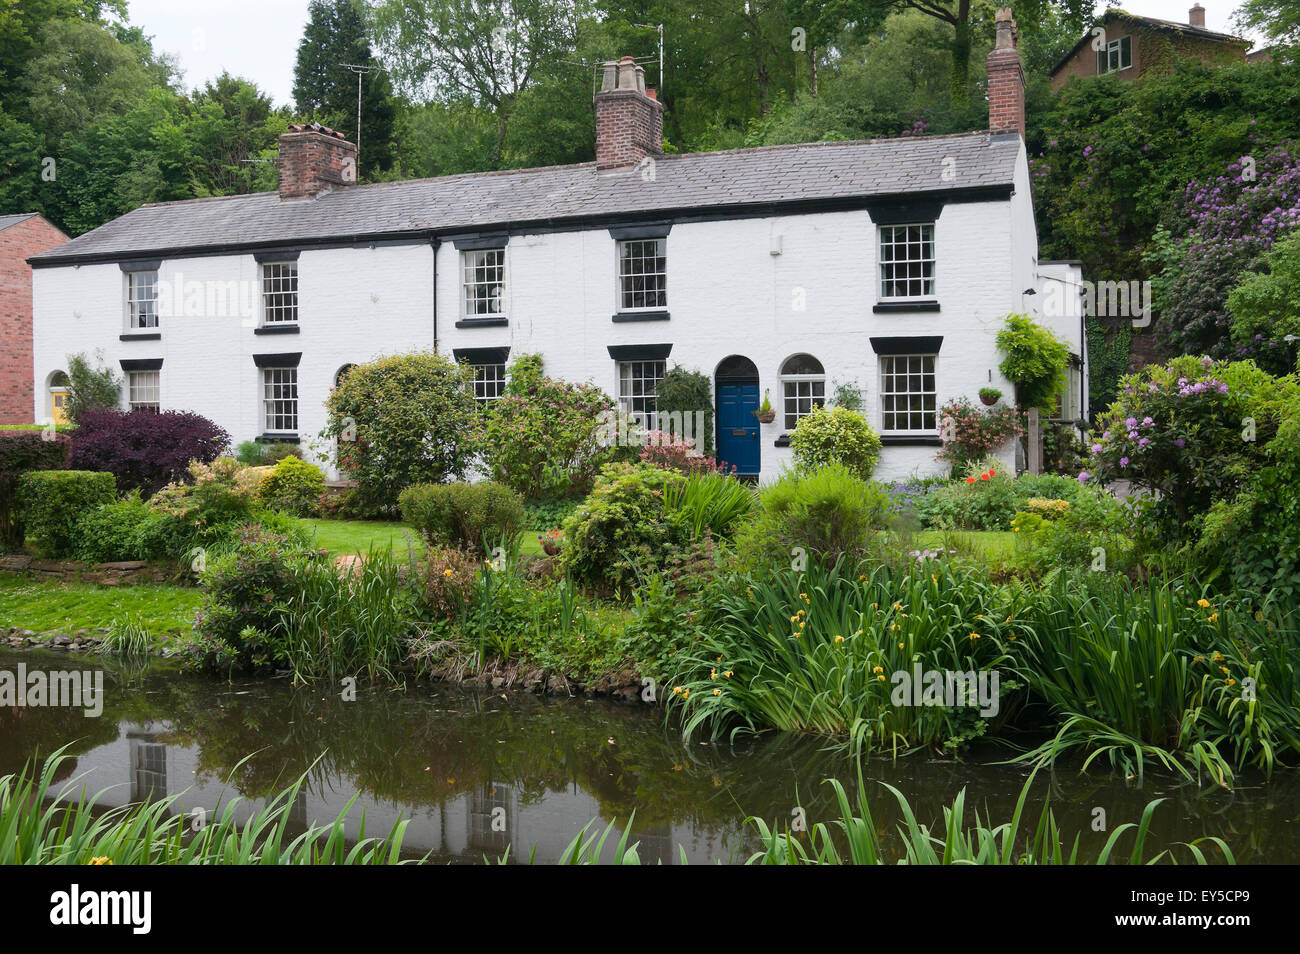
<point>315,159</point>
<point>629,118</point>
<point>1006,78</point>
<point>1196,16</point>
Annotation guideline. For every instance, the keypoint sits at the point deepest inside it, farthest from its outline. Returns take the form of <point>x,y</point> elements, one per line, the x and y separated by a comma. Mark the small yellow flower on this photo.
<point>1212,618</point>
<point>713,674</point>
<point>877,668</point>
<point>794,619</point>
<point>685,693</point>
<point>102,860</point>
<point>881,678</point>
<point>1008,619</point>
<point>1202,603</point>
<point>677,690</point>
<point>1218,657</point>
<point>1230,682</point>
<point>717,692</point>
<point>900,645</point>
<point>979,615</point>
<point>1223,669</point>
<point>974,635</point>
<point>1012,638</point>
<point>728,673</point>
<point>839,639</point>
<point>893,626</point>
<point>898,606</point>
<point>447,572</point>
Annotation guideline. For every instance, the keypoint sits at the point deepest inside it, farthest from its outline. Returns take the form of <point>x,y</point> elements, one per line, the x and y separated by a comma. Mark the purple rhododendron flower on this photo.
<point>1083,477</point>
<point>1123,461</point>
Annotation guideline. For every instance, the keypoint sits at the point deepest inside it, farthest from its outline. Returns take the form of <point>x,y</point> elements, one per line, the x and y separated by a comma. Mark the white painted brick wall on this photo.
<point>726,293</point>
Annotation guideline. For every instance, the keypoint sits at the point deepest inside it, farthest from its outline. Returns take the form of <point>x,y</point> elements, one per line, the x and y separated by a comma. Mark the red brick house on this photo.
<point>1131,46</point>
<point>21,236</point>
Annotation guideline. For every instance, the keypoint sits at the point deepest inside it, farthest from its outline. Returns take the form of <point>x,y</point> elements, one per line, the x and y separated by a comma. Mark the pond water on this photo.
<point>475,772</point>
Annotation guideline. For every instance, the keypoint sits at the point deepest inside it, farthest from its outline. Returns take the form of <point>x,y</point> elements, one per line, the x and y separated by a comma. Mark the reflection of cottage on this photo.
<point>21,236</point>
<point>887,266</point>
<point>1130,46</point>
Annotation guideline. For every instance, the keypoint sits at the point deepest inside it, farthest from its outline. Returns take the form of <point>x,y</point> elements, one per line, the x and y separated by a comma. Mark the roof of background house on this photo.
<point>1184,28</point>
<point>8,220</point>
<point>749,181</point>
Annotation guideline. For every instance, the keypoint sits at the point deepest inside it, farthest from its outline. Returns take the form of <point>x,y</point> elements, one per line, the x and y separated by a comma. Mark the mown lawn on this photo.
<point>49,606</point>
<point>362,536</point>
<point>989,545</point>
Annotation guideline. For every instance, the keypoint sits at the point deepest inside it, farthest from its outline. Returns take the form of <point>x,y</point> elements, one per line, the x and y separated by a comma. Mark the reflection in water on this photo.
<point>475,774</point>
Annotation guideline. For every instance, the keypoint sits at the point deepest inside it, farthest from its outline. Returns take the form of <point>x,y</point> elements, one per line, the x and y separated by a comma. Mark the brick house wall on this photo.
<point>17,242</point>
<point>1154,50</point>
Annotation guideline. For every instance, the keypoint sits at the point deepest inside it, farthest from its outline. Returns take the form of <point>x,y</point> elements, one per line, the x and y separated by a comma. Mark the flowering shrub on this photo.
<point>971,433</point>
<point>221,497</point>
<point>1178,431</point>
<point>669,452</point>
<point>1221,229</point>
<point>546,441</point>
<point>835,435</point>
<point>145,449</point>
<point>1047,509</point>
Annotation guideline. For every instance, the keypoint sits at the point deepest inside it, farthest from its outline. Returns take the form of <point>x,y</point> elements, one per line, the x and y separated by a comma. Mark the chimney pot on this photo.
<point>1196,16</point>
<point>629,117</point>
<point>1006,77</point>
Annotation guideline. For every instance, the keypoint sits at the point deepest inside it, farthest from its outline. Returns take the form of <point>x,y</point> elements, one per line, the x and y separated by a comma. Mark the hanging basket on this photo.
<point>765,417</point>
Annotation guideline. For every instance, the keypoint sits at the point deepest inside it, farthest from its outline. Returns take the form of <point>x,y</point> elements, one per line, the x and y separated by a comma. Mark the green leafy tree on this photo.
<point>1267,303</point>
<point>1278,20</point>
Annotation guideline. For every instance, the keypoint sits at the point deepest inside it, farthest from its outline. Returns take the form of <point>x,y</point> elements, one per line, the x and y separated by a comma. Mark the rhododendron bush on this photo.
<point>1215,445</point>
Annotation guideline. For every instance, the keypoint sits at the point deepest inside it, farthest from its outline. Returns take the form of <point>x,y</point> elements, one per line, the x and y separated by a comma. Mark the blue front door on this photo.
<point>738,427</point>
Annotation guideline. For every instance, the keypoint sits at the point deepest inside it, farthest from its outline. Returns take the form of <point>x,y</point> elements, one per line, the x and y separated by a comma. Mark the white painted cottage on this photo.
<point>887,265</point>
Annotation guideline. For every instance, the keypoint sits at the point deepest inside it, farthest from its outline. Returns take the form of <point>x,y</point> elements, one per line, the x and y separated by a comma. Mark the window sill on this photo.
<point>641,316</point>
<point>900,307</point>
<point>482,322</point>
<point>276,330</point>
<point>141,336</point>
<point>910,440</point>
<point>276,438</point>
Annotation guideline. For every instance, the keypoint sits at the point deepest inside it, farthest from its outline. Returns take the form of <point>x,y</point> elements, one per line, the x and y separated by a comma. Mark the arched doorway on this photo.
<point>735,382</point>
<point>58,386</point>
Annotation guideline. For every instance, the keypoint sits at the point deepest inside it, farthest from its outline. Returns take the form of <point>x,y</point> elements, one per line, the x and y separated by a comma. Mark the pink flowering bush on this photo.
<point>670,452</point>
<point>971,433</point>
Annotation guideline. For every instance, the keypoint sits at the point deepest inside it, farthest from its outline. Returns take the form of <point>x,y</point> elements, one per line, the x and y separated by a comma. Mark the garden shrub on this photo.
<point>143,449</point>
<point>670,452</point>
<point>1035,362</point>
<point>245,592</point>
<point>473,517</point>
<point>663,628</point>
<point>623,527</point>
<point>549,512</point>
<point>526,372</point>
<point>546,441</point>
<point>207,513</point>
<point>52,501</point>
<point>971,433</point>
<point>293,486</point>
<point>448,575</point>
<point>22,451</point>
<point>690,394</point>
<point>1267,302</point>
<point>413,418</point>
<point>1092,533</point>
<point>90,388</point>
<point>263,453</point>
<point>830,513</point>
<point>835,435</point>
<point>977,502</point>
<point>112,532</point>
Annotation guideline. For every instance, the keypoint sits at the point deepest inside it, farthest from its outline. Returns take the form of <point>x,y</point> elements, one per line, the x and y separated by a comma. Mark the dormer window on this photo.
<point>907,262</point>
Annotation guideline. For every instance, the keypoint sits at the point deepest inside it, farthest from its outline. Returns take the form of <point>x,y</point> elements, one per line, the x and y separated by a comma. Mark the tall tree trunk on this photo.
<point>961,44</point>
<point>812,68</point>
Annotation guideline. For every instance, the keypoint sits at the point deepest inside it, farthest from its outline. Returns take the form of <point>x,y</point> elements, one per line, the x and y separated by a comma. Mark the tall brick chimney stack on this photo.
<point>629,118</point>
<point>315,159</point>
<point>1196,15</point>
<point>1006,78</point>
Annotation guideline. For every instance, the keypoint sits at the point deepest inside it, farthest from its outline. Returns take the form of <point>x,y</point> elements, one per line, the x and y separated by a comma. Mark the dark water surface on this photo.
<point>462,765</point>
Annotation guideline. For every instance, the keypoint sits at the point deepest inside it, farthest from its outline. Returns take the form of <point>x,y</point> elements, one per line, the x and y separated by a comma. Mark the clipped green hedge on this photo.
<point>23,450</point>
<point>53,501</point>
<point>473,517</point>
<point>293,486</point>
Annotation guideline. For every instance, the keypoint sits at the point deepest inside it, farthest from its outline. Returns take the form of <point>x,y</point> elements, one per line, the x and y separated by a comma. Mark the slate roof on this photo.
<point>8,220</point>
<point>745,180</point>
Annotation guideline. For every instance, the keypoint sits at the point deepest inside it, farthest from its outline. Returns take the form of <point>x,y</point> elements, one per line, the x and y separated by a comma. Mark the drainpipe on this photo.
<point>436,242</point>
